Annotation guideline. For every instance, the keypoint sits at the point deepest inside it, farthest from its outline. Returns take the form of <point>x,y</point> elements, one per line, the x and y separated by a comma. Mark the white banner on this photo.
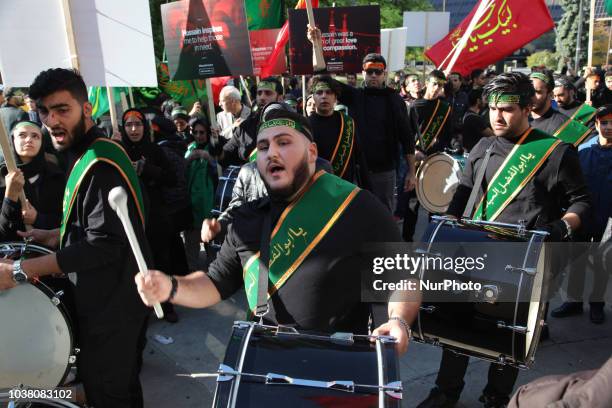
<point>426,28</point>
<point>393,47</point>
<point>113,38</point>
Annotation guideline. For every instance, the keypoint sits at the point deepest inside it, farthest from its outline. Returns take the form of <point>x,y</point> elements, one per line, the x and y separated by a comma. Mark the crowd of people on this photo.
<point>346,154</point>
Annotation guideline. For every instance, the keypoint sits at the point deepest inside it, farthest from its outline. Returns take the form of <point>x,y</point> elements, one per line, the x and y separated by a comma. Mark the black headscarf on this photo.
<point>135,149</point>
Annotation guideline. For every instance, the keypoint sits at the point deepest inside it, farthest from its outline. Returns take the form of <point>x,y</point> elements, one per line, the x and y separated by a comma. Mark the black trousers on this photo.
<point>109,364</point>
<point>501,378</point>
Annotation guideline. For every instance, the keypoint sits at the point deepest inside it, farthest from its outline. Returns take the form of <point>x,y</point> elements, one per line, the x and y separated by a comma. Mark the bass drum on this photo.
<point>437,179</point>
<point>35,330</point>
<point>501,321</point>
<point>269,366</point>
<point>223,197</point>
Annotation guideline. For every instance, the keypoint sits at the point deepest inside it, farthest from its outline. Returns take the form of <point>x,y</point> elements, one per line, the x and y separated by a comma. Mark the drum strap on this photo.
<point>415,118</point>
<point>264,261</point>
<point>469,208</point>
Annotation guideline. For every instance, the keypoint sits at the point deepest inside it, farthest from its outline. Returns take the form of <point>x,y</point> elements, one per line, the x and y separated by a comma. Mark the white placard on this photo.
<point>393,47</point>
<point>113,38</point>
<point>425,28</point>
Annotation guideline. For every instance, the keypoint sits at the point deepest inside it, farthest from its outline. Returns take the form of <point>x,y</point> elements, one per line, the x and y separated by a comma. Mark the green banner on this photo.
<point>584,114</point>
<point>572,132</point>
<point>342,153</point>
<point>299,230</point>
<point>98,97</point>
<point>264,14</point>
<point>527,156</point>
<point>107,151</point>
<point>184,92</point>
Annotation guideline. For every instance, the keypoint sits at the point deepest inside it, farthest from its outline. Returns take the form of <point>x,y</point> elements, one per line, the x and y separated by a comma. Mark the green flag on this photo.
<point>609,7</point>
<point>264,14</point>
<point>98,97</point>
<point>185,92</point>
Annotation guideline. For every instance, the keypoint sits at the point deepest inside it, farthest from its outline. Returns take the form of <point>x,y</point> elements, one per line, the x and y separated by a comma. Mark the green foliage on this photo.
<point>545,58</point>
<point>567,31</point>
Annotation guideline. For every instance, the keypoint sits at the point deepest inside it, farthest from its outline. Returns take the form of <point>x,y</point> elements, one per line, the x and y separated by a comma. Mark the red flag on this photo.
<point>506,26</point>
<point>281,41</point>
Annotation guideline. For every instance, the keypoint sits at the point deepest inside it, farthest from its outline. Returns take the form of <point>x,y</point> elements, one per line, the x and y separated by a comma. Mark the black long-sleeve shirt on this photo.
<point>97,250</point>
<point>324,292</point>
<point>556,188</point>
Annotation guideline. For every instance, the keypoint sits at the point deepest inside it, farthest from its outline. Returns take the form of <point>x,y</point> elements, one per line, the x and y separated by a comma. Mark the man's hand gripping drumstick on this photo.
<point>117,198</point>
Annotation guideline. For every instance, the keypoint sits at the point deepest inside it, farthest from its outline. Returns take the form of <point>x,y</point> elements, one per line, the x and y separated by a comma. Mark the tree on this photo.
<point>567,31</point>
<point>545,58</point>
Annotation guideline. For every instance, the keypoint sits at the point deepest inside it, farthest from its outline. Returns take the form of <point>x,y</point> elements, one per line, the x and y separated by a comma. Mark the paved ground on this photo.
<point>200,338</point>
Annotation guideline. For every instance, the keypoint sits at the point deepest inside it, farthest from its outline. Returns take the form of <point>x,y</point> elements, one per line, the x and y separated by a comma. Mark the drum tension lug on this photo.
<point>72,359</point>
<point>428,309</point>
<point>56,299</point>
<point>519,329</point>
<point>342,338</point>
<point>528,271</point>
<point>501,360</point>
<point>241,325</point>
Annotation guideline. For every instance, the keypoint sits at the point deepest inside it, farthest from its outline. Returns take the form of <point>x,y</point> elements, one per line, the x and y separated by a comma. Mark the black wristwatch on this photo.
<point>173,289</point>
<point>19,275</point>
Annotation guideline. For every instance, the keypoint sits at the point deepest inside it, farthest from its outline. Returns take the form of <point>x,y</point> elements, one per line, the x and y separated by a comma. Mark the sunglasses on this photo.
<point>374,71</point>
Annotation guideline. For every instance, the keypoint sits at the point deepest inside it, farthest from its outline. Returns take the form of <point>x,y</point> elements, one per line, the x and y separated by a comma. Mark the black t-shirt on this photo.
<point>473,128</point>
<point>550,121</point>
<point>558,184</point>
<point>324,293</point>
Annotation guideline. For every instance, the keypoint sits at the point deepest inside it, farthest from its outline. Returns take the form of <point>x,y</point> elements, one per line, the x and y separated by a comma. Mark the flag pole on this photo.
<point>211,104</point>
<point>246,90</point>
<point>131,94</point>
<point>304,95</point>
<point>590,49</point>
<point>484,5</point>
<point>112,108</point>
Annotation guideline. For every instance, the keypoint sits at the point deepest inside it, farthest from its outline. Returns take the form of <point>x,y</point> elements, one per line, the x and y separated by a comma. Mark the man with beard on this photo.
<point>547,119</point>
<point>240,148</point>
<point>93,247</point>
<point>313,286</point>
<point>551,180</point>
<point>335,134</point>
<point>564,93</point>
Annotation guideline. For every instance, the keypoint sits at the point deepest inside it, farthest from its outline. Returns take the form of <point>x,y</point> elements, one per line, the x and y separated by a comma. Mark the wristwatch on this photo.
<point>19,275</point>
<point>404,324</point>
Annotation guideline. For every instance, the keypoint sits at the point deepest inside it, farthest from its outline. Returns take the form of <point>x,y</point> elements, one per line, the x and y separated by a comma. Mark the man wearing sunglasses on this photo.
<point>380,114</point>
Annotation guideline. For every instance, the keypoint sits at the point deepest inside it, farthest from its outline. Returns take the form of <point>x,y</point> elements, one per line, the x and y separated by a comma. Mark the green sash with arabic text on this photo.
<point>342,152</point>
<point>299,230</point>
<point>101,150</point>
<point>584,114</point>
<point>523,162</point>
<point>435,124</point>
<point>572,132</point>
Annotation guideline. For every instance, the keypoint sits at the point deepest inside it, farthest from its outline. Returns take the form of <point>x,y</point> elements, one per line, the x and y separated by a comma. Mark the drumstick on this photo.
<point>117,198</point>
<point>318,61</point>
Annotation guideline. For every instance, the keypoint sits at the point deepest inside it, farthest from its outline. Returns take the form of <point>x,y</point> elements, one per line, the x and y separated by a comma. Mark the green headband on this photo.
<point>271,86</point>
<point>285,122</point>
<point>321,86</point>
<point>26,123</point>
<point>502,97</point>
<point>542,77</point>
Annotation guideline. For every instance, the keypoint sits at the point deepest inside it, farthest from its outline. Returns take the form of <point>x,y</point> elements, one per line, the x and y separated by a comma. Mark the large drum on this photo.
<point>437,179</point>
<point>269,366</point>
<point>223,196</point>
<point>35,330</point>
<point>502,319</point>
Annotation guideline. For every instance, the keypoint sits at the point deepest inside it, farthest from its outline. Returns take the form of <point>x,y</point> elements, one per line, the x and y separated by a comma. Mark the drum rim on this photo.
<point>47,291</point>
<point>423,200</point>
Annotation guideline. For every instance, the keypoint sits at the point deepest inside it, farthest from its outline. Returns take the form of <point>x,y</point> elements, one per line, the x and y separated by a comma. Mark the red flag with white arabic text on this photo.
<point>506,26</point>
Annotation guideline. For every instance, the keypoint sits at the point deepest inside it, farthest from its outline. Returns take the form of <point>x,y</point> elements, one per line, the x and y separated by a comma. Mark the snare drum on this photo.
<point>268,366</point>
<point>437,180</point>
<point>502,321</point>
<point>35,330</point>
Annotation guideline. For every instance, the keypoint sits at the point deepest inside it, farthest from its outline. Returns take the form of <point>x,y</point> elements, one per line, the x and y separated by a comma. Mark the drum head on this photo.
<point>35,337</point>
<point>437,180</point>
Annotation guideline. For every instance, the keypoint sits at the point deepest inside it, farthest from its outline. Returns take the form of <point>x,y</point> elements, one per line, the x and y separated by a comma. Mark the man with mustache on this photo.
<point>93,247</point>
<point>314,286</point>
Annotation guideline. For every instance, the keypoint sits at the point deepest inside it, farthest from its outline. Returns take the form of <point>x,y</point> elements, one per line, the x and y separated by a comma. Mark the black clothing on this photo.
<point>473,127</point>
<point>549,122</point>
<point>108,306</point>
<point>460,104</point>
<point>558,184</point>
<point>237,149</point>
<point>311,298</point>
<point>382,120</point>
<point>570,109</point>
<point>326,131</point>
<point>422,110</point>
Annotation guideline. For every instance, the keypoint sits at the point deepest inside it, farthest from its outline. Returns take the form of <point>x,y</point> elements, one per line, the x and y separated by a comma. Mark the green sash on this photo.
<point>435,125</point>
<point>572,132</point>
<point>101,150</point>
<point>527,156</point>
<point>584,114</point>
<point>253,155</point>
<point>344,148</point>
<point>298,231</point>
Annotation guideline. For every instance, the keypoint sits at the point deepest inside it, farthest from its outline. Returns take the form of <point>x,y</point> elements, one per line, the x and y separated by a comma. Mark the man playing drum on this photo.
<point>529,176</point>
<point>319,222</point>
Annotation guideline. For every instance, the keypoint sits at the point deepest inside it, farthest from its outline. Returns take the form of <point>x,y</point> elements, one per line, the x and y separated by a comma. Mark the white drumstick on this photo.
<point>117,198</point>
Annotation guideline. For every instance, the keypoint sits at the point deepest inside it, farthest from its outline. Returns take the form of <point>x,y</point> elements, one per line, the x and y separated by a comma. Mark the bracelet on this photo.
<point>173,290</point>
<point>403,323</point>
